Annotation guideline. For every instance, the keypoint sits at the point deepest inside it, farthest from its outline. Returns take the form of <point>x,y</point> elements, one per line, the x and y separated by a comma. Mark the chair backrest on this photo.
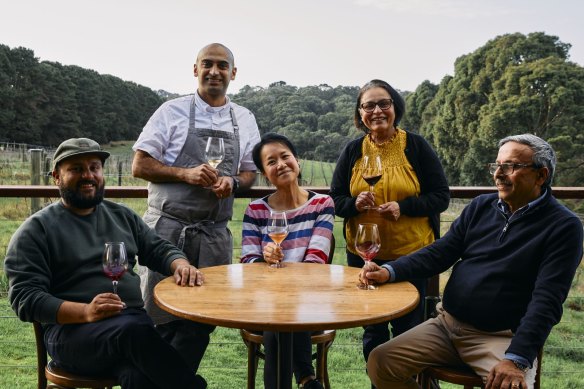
<point>41,355</point>
<point>332,250</point>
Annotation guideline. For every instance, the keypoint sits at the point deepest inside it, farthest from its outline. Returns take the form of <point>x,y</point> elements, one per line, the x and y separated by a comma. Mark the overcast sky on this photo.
<point>302,42</point>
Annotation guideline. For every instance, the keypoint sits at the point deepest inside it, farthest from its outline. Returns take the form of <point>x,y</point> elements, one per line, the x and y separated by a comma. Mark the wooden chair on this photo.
<point>431,376</point>
<point>59,378</point>
<point>253,342</point>
<point>323,341</point>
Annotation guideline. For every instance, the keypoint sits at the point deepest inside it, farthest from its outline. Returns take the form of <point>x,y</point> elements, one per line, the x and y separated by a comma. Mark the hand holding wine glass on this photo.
<point>367,244</point>
<point>277,230</point>
<point>115,262</point>
<point>372,172</point>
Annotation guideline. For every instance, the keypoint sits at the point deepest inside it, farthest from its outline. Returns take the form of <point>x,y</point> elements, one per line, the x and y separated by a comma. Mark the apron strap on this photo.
<point>203,226</point>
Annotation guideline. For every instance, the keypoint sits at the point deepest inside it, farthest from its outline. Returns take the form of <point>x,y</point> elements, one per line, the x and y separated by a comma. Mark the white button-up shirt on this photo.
<point>166,132</point>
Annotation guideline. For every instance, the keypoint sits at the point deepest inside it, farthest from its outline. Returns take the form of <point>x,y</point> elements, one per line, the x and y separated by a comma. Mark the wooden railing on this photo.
<point>456,192</point>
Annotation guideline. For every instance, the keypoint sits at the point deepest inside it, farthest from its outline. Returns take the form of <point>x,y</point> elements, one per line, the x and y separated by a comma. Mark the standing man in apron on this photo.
<point>189,202</point>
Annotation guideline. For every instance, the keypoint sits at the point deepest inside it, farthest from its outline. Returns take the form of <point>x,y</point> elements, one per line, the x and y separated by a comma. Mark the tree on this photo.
<point>542,97</point>
<point>500,89</point>
<point>45,102</point>
<point>58,106</point>
<point>416,103</point>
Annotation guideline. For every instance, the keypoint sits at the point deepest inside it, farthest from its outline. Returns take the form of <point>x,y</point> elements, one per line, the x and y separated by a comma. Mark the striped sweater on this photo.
<point>310,230</point>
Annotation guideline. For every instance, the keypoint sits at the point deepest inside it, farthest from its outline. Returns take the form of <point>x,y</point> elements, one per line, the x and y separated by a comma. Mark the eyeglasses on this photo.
<point>507,168</point>
<point>384,105</point>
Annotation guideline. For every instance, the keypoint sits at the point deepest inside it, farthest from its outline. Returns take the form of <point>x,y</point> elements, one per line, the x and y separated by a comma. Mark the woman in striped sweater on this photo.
<point>310,220</point>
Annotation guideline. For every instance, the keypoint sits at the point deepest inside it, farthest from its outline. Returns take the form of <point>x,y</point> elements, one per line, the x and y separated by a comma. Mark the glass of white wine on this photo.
<point>277,230</point>
<point>215,151</point>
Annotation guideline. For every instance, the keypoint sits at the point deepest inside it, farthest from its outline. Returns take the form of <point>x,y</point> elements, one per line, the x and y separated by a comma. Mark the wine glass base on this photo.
<point>366,287</point>
<point>277,265</point>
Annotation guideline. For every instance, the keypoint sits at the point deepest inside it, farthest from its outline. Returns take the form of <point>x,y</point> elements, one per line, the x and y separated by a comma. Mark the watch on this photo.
<point>520,366</point>
<point>235,184</point>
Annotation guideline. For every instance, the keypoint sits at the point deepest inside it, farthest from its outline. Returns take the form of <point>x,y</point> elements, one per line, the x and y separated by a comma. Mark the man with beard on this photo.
<point>189,201</point>
<point>515,254</point>
<point>55,273</point>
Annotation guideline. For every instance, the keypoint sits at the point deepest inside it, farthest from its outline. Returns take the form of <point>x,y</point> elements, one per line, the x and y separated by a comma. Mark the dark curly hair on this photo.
<point>399,105</point>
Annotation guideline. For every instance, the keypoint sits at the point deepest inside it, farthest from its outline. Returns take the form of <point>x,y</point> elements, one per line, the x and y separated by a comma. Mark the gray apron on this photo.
<point>191,216</point>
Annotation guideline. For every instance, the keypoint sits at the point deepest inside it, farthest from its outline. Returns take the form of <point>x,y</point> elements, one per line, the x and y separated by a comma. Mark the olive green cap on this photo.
<point>78,146</point>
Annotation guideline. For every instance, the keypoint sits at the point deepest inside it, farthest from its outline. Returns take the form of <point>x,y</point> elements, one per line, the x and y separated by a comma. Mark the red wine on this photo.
<point>114,272</point>
<point>368,250</point>
<point>372,180</point>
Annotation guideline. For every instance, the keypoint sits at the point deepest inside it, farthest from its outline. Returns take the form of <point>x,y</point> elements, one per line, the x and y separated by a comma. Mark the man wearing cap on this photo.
<point>190,202</point>
<point>54,268</point>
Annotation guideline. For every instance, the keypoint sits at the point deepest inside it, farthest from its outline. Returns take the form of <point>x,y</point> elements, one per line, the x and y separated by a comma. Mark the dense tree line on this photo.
<point>46,102</point>
<point>317,119</point>
<point>513,84</point>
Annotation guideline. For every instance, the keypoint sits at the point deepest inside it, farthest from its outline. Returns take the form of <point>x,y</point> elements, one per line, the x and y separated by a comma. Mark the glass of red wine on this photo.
<point>277,230</point>
<point>115,262</point>
<point>371,173</point>
<point>367,244</point>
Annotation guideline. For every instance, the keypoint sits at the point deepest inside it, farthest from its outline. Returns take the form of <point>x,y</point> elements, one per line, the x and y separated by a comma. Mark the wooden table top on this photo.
<point>298,297</point>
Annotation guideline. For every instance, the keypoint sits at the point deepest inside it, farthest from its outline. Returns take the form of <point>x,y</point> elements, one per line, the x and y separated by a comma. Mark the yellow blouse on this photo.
<point>398,181</point>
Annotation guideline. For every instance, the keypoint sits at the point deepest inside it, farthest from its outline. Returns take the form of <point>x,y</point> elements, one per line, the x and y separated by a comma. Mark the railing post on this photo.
<point>47,171</point>
<point>120,165</point>
<point>35,177</point>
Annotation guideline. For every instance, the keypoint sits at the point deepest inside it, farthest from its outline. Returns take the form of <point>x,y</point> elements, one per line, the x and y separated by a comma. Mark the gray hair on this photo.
<point>543,154</point>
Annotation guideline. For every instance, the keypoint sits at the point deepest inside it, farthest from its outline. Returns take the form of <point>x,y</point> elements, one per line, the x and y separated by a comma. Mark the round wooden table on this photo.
<point>298,297</point>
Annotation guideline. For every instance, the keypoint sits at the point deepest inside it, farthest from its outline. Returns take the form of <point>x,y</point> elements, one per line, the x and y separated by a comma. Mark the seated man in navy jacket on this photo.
<point>515,254</point>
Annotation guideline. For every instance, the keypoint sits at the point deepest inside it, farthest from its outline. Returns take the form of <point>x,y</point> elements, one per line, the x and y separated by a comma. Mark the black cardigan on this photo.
<point>434,191</point>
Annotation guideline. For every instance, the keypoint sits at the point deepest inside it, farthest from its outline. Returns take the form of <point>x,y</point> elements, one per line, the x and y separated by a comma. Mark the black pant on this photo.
<point>189,338</point>
<point>301,357</point>
<point>126,346</point>
<point>377,334</point>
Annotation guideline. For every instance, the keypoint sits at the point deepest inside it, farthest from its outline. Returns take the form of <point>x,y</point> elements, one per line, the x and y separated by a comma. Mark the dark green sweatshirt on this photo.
<point>56,255</point>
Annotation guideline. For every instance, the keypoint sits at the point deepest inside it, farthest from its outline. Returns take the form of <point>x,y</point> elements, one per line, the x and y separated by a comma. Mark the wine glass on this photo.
<point>367,244</point>
<point>115,262</point>
<point>215,151</point>
<point>277,230</point>
<point>371,173</point>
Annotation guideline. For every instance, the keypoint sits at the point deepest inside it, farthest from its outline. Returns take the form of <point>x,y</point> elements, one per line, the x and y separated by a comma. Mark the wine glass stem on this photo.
<point>366,281</point>
<point>115,284</point>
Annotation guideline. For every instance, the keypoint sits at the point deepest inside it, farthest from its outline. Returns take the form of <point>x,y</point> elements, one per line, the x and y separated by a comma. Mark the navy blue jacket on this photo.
<point>512,274</point>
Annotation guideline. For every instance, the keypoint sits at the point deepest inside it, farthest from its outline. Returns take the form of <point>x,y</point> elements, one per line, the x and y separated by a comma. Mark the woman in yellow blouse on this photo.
<point>407,200</point>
